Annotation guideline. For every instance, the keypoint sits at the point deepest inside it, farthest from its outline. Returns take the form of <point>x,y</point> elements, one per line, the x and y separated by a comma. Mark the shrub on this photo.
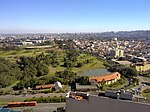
<point>146,91</point>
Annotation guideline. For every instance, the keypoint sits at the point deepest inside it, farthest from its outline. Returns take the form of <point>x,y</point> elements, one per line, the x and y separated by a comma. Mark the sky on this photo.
<point>54,16</point>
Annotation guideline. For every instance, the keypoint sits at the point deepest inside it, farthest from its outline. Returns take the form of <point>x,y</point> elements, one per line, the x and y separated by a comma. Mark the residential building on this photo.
<point>107,79</point>
<point>117,52</point>
<point>142,66</point>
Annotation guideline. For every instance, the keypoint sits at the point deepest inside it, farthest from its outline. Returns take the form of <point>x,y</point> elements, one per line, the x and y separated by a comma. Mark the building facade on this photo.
<point>142,66</point>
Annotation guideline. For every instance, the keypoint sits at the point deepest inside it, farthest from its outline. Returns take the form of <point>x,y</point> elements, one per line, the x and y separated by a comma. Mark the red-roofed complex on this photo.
<point>108,79</point>
<point>44,86</point>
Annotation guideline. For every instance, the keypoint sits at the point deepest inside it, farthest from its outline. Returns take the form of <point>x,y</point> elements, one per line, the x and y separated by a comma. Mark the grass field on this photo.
<point>146,93</point>
<point>15,54</point>
<point>95,63</point>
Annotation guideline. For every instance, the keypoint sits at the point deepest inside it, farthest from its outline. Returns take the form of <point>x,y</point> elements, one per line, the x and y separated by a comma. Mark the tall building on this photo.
<point>117,52</point>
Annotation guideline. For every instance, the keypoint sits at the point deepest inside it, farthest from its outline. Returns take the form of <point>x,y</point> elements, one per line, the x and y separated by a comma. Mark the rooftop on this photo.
<point>106,77</point>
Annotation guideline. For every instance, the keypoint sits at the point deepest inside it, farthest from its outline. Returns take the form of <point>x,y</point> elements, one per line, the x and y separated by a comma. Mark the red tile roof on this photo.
<point>44,86</point>
<point>107,77</point>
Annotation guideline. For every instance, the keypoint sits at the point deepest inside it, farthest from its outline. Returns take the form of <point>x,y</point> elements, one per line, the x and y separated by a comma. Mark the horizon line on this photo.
<point>70,32</point>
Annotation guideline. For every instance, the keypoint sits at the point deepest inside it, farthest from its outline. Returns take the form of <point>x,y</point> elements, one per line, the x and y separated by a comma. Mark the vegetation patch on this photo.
<point>55,99</point>
<point>45,67</point>
<point>146,93</point>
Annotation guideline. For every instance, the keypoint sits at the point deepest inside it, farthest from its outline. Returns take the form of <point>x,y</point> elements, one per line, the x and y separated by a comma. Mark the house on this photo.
<point>107,79</point>
<point>47,86</point>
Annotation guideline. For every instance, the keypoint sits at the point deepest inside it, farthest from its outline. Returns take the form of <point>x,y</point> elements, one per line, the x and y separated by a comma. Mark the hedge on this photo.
<point>55,99</point>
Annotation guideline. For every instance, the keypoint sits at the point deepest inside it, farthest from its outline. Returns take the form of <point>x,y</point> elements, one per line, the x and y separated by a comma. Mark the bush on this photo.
<point>47,91</point>
<point>146,91</point>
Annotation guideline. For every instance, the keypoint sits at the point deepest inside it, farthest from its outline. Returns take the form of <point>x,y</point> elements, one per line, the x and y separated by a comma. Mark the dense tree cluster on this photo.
<point>9,73</point>
<point>71,58</point>
<point>34,67</point>
<point>33,70</point>
<point>83,80</point>
<point>6,47</point>
<point>67,75</point>
<point>127,71</point>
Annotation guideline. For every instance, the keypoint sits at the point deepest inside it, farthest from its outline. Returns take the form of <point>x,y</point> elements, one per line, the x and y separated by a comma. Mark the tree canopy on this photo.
<point>9,73</point>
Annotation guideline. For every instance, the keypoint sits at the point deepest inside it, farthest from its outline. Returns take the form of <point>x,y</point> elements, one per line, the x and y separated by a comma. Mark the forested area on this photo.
<point>9,73</point>
<point>126,71</point>
<point>38,70</point>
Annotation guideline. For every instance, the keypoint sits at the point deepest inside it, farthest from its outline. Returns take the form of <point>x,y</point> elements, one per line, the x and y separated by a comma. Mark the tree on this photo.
<point>71,58</point>
<point>83,80</point>
<point>42,69</point>
<point>9,73</point>
<point>79,64</point>
<point>67,75</point>
<point>68,63</point>
<point>29,71</point>
<point>129,72</point>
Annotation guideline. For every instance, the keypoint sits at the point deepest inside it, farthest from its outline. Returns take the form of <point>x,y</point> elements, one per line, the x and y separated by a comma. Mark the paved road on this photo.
<point>34,95</point>
<point>12,98</point>
<point>42,107</point>
<point>143,79</point>
<point>141,86</point>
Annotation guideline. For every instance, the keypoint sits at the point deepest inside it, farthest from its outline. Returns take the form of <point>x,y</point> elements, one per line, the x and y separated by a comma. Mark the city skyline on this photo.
<point>60,16</point>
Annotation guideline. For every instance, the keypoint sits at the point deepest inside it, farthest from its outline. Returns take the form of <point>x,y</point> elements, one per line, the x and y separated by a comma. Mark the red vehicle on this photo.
<point>21,104</point>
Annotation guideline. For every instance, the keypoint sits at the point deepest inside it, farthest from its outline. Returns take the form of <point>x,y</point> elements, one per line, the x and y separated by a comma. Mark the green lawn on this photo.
<point>52,70</point>
<point>15,54</point>
<point>146,93</point>
<point>95,63</point>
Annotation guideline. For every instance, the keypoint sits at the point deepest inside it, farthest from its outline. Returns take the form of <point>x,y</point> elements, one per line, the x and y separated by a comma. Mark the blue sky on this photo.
<point>31,16</point>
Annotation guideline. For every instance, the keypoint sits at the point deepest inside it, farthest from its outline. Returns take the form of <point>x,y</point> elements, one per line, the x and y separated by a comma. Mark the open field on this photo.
<point>94,63</point>
<point>15,54</point>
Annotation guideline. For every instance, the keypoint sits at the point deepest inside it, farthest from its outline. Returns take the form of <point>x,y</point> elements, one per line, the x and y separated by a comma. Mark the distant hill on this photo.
<point>127,34</point>
<point>139,34</point>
